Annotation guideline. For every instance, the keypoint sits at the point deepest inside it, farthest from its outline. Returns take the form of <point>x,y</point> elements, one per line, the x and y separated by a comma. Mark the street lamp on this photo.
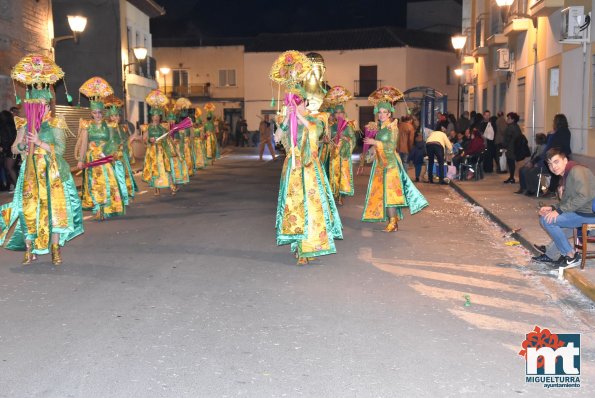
<point>164,71</point>
<point>504,3</point>
<point>458,43</point>
<point>140,53</point>
<point>77,25</point>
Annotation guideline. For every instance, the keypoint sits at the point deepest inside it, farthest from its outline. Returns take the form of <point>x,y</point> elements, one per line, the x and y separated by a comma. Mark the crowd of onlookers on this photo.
<point>494,143</point>
<point>8,161</point>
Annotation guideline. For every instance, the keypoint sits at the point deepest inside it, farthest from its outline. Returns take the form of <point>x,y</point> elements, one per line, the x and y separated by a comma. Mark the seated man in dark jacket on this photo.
<point>577,191</point>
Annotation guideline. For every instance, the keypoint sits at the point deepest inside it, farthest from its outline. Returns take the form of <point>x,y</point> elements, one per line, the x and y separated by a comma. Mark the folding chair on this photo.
<point>581,241</point>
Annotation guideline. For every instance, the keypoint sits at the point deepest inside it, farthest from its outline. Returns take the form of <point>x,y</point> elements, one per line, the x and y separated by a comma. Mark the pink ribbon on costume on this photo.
<point>34,112</point>
<point>289,100</point>
<point>368,133</point>
<point>99,162</point>
<point>341,125</point>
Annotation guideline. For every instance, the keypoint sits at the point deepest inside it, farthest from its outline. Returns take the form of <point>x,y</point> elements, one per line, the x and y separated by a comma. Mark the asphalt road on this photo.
<point>189,296</point>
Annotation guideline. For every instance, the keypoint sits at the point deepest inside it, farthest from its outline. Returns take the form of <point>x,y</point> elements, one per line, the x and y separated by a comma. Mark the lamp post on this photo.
<point>164,70</point>
<point>458,43</point>
<point>77,24</point>
<point>140,53</point>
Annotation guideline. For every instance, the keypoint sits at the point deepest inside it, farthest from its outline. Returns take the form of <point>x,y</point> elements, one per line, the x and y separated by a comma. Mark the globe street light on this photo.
<point>77,24</point>
<point>458,42</point>
<point>140,53</point>
<point>164,71</point>
<point>504,3</point>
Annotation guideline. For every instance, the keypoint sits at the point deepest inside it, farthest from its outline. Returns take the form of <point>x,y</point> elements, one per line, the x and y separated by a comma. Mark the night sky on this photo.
<point>245,18</point>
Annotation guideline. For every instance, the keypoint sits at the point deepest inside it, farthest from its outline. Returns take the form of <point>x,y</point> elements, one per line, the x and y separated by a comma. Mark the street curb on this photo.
<point>577,278</point>
<point>528,245</point>
<point>573,275</point>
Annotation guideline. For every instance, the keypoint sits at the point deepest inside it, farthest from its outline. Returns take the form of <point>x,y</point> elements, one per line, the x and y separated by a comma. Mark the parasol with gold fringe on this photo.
<point>113,101</point>
<point>182,103</point>
<point>36,69</point>
<point>290,67</point>
<point>156,99</point>
<point>337,95</point>
<point>96,88</point>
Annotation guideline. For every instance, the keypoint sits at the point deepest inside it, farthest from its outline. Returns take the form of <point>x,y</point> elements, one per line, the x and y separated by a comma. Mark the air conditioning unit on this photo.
<point>469,76</point>
<point>573,18</point>
<point>504,57</point>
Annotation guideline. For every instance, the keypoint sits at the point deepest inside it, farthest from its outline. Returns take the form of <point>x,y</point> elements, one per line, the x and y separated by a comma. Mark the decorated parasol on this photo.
<point>40,72</point>
<point>209,107</point>
<point>290,67</point>
<point>36,69</point>
<point>387,96</point>
<point>96,88</point>
<point>112,100</point>
<point>182,103</point>
<point>338,95</point>
<point>156,99</point>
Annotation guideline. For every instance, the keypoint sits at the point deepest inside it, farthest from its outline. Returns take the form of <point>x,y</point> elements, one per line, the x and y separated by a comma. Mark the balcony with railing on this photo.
<point>516,19</point>
<point>495,35</point>
<point>363,88</point>
<point>191,91</point>
<point>480,48</point>
<point>145,68</point>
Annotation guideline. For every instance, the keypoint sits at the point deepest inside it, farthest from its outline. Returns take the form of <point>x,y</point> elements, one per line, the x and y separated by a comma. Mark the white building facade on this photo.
<point>550,66</point>
<point>361,60</point>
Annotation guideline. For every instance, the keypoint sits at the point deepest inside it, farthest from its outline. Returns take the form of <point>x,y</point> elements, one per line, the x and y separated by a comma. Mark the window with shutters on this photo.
<point>180,82</point>
<point>227,77</point>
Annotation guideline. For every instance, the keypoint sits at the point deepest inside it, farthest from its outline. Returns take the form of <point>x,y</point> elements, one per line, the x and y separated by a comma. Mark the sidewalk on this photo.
<point>518,214</point>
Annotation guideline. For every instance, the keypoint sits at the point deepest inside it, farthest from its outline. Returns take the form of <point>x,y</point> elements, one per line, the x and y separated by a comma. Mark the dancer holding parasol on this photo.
<point>389,188</point>
<point>122,141</point>
<point>46,210</point>
<point>157,168</point>
<point>211,134</point>
<point>307,217</point>
<point>342,144</point>
<point>184,137</point>
<point>104,186</point>
<point>200,144</point>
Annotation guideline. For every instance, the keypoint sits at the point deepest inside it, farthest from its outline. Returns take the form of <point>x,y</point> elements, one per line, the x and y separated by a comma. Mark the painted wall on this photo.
<point>203,65</point>
<point>26,26</point>
<point>400,67</point>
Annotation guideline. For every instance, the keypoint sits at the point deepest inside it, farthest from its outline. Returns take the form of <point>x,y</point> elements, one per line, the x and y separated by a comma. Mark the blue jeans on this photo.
<point>418,170</point>
<point>556,229</point>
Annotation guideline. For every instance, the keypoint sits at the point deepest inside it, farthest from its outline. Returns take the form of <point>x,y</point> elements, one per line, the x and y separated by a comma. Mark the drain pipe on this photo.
<point>533,102</point>
<point>583,132</point>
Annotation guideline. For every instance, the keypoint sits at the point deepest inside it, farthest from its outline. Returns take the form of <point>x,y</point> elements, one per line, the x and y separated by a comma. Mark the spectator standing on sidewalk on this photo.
<point>418,154</point>
<point>577,192</point>
<point>405,139</point>
<point>266,135</point>
<point>437,145</point>
<point>511,141</point>
<point>8,134</point>
<point>463,123</point>
<point>488,131</point>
